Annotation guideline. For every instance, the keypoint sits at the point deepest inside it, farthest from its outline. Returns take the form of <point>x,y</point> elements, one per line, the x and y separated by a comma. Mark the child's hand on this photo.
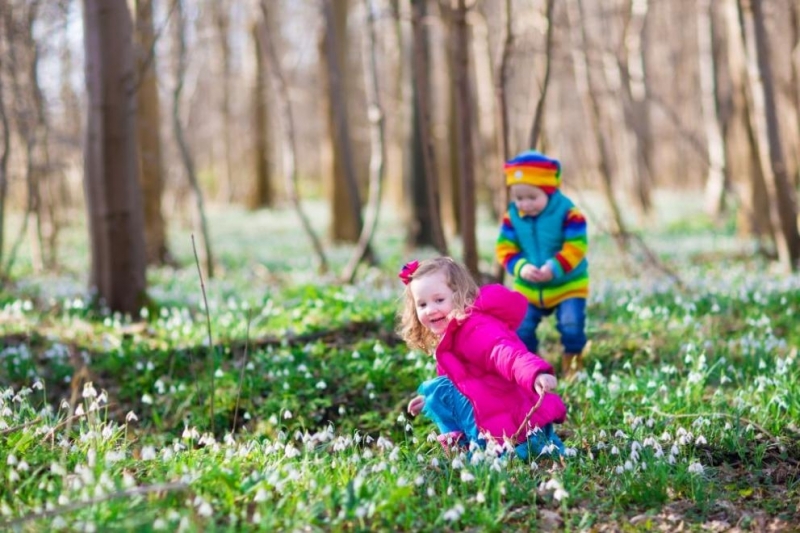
<point>416,405</point>
<point>529,273</point>
<point>543,274</point>
<point>545,383</point>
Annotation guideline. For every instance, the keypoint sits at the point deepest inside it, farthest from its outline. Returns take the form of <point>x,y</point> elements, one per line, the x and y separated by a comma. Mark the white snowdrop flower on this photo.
<point>148,453</point>
<point>695,468</point>
<point>434,462</point>
<point>395,454</point>
<point>650,422</point>
<point>589,394</point>
<point>602,434</point>
<point>59,523</point>
<point>205,509</point>
<point>659,452</point>
<point>291,452</point>
<point>12,460</point>
<point>62,499</point>
<point>91,457</point>
<point>23,466</point>
<point>88,390</point>
<point>634,457</point>
<point>619,470</point>
<point>13,476</point>
<point>452,515</point>
<point>534,466</point>
<point>628,465</point>
<point>643,465</point>
<point>635,446</point>
<point>37,385</point>
<point>614,450</point>
<point>419,480</point>
<point>700,440</point>
<point>466,476</point>
<point>480,497</point>
<point>159,524</point>
<point>408,428</point>
<point>457,463</point>
<point>681,432</point>
<point>64,405</point>
<point>620,434</point>
<point>671,460</point>
<point>321,385</point>
<point>570,452</point>
<point>103,398</point>
<point>79,410</point>
<point>560,494</point>
<point>449,490</point>
<point>147,399</point>
<point>402,482</point>
<point>649,441</point>
<point>666,437</point>
<point>728,426</point>
<point>107,432</point>
<point>431,492</point>
<point>287,414</point>
<point>601,445</point>
<point>131,417</point>
<point>58,469</point>
<point>674,450</point>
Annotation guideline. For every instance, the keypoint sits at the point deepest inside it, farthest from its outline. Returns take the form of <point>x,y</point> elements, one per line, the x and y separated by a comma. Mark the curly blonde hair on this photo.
<point>464,288</point>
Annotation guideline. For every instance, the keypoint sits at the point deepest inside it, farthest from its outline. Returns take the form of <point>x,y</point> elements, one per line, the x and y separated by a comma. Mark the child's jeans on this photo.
<point>453,414</point>
<point>570,323</point>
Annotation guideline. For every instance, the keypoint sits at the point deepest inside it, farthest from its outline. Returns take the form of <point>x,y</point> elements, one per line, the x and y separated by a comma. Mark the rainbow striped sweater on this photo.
<point>557,236</point>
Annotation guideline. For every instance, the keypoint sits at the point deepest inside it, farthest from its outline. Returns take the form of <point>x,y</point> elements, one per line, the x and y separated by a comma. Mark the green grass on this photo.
<point>686,414</point>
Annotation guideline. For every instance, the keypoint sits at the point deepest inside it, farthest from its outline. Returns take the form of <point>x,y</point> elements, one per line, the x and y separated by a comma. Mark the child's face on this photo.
<point>528,199</point>
<point>433,299</point>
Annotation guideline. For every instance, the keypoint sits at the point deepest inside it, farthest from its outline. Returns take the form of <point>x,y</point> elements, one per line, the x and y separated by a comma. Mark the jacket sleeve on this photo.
<point>507,249</point>
<point>504,351</point>
<point>575,243</point>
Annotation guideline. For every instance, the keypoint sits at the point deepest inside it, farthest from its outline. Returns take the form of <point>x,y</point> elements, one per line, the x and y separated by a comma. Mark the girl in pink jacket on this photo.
<point>489,386</point>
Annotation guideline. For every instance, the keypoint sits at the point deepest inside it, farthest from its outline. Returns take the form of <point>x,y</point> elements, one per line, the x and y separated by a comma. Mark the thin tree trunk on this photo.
<point>466,159</point>
<point>6,132</point>
<point>149,122</point>
<point>289,141</point>
<point>346,193</point>
<point>631,66</point>
<point>263,194</point>
<point>186,155</point>
<point>717,173</point>
<point>538,117</point>
<point>782,194</point>
<point>377,143</point>
<point>422,86</point>
<point>111,160</point>
<point>588,90</point>
<point>222,25</point>
<point>501,197</point>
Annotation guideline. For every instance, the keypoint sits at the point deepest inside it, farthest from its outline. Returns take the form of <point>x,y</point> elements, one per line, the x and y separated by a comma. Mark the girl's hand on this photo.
<point>545,383</point>
<point>416,405</point>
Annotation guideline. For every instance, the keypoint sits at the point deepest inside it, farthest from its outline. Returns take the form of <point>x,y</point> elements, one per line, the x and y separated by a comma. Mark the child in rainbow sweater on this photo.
<point>542,243</point>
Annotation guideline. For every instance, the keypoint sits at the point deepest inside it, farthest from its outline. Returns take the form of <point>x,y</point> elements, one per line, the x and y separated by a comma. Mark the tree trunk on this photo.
<point>111,171</point>
<point>289,142</point>
<point>222,25</point>
<point>6,132</point>
<point>631,63</point>
<point>538,116</point>
<point>427,225</point>
<point>466,157</point>
<point>716,181</point>
<point>742,153</point>
<point>149,134</point>
<point>346,221</point>
<point>183,145</point>
<point>783,212</point>
<point>377,143</point>
<point>263,193</point>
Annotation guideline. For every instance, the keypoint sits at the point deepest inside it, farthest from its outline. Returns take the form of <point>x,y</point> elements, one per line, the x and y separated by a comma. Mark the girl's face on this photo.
<point>433,299</point>
<point>528,199</point>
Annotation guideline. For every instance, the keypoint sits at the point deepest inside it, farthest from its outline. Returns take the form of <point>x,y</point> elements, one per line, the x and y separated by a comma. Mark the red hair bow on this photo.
<point>407,271</point>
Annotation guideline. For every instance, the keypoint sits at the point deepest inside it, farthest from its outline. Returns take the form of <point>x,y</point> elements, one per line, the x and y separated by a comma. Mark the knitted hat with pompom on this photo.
<point>534,168</point>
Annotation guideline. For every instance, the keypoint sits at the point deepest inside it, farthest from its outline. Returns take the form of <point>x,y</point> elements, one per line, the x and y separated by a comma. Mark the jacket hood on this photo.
<point>502,303</point>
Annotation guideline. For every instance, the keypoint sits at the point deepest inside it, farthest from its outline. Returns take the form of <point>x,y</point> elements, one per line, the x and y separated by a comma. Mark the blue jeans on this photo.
<point>570,323</point>
<point>451,411</point>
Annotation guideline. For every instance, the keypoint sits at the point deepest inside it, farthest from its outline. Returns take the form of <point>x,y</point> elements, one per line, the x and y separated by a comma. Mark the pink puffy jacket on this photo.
<point>490,365</point>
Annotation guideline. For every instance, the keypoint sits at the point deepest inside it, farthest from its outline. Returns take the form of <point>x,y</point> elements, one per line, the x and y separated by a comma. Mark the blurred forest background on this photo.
<point>140,115</point>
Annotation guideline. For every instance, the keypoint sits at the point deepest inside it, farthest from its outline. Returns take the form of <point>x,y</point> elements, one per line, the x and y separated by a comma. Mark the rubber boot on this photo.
<point>571,363</point>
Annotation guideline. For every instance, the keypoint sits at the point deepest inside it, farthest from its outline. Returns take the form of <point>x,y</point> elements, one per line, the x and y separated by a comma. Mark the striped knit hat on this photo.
<point>533,168</point>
